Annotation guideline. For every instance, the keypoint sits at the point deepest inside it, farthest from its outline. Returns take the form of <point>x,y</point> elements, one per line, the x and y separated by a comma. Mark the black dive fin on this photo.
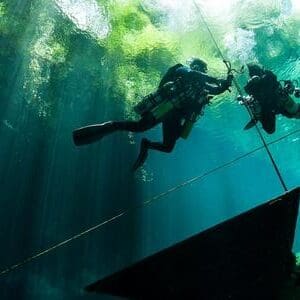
<point>250,124</point>
<point>142,155</point>
<point>91,133</point>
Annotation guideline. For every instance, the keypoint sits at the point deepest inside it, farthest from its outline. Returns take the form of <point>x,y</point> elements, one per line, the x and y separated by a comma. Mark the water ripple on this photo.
<point>87,15</point>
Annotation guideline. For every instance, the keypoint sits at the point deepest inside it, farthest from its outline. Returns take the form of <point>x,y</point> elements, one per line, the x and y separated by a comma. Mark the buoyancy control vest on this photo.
<point>173,93</point>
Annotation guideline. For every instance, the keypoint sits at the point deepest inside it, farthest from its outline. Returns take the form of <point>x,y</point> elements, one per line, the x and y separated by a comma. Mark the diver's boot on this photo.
<point>92,133</point>
<point>142,156</point>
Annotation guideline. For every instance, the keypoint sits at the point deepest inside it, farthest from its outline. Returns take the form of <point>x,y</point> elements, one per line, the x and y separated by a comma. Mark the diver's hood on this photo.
<point>198,64</point>
<point>255,70</point>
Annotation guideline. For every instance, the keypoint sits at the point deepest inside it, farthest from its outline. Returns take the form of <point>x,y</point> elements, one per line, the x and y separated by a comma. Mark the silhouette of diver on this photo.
<point>179,100</point>
<point>267,98</point>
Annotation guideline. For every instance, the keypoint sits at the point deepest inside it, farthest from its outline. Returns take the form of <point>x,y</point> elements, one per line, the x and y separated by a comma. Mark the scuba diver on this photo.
<point>268,98</point>
<point>177,103</point>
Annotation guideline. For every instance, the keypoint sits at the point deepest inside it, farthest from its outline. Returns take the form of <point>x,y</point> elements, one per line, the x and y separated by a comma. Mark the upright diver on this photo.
<point>268,98</point>
<point>179,100</point>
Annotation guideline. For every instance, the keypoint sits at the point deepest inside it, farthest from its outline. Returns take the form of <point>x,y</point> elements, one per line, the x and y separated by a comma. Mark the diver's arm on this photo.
<point>212,80</point>
<point>213,85</point>
<point>215,90</point>
<point>203,77</point>
<point>221,87</point>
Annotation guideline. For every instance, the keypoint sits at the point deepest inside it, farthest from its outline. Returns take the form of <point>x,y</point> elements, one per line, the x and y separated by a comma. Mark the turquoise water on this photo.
<point>67,64</point>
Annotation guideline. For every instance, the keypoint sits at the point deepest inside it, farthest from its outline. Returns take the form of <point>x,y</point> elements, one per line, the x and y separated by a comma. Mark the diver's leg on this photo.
<point>294,115</point>
<point>290,108</point>
<point>171,132</point>
<point>143,124</point>
<point>93,133</point>
<point>268,121</point>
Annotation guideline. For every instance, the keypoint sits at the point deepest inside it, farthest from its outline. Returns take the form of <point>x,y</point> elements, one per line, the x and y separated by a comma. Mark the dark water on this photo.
<point>65,64</point>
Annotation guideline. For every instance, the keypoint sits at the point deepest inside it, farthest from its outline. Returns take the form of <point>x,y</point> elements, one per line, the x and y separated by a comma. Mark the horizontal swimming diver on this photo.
<point>180,98</point>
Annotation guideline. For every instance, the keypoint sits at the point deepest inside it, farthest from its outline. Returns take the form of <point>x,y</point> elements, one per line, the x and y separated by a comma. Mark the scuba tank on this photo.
<point>187,129</point>
<point>188,126</point>
<point>154,99</point>
<point>190,121</point>
<point>148,103</point>
<point>172,95</point>
<point>161,101</point>
<point>164,92</point>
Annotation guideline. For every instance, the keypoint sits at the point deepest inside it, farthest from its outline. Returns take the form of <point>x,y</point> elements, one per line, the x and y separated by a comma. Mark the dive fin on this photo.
<point>142,155</point>
<point>250,124</point>
<point>92,133</point>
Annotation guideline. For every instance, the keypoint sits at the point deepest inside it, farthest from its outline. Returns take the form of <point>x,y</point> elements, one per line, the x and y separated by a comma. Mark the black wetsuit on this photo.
<point>265,89</point>
<point>196,83</point>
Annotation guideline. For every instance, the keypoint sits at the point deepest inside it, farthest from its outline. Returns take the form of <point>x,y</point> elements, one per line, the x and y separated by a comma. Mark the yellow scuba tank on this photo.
<point>157,102</point>
<point>162,109</point>
<point>148,102</point>
<point>187,129</point>
<point>177,99</point>
<point>188,126</point>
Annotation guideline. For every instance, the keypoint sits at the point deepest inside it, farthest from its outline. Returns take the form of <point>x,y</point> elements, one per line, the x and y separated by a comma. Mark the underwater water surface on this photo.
<point>69,63</point>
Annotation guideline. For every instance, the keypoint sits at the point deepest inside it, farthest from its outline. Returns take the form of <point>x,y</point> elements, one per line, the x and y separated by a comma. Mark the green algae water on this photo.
<point>69,63</point>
